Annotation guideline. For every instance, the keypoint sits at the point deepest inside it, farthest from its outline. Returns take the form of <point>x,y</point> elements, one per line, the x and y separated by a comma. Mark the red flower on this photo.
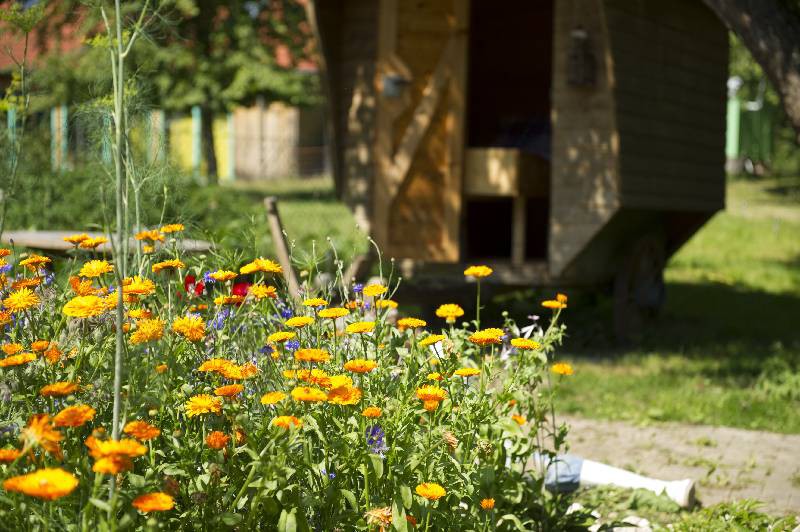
<point>190,284</point>
<point>240,289</point>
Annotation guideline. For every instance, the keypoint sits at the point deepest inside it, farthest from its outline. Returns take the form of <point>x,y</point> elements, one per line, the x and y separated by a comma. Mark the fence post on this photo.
<point>197,128</point>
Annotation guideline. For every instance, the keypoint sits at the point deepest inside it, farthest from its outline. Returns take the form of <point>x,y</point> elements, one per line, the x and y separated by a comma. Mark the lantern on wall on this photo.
<point>581,64</point>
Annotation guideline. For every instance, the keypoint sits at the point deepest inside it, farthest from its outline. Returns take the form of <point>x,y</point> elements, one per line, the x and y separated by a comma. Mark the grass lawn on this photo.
<point>726,350</point>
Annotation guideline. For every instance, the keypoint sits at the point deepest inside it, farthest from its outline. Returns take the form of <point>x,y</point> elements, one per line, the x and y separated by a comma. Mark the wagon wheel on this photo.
<point>639,286</point>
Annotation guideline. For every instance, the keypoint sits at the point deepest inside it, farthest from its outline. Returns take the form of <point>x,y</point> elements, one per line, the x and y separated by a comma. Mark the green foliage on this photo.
<point>741,516</point>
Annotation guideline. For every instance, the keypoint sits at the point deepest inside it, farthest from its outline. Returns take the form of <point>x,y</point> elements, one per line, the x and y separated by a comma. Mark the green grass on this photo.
<point>726,350</point>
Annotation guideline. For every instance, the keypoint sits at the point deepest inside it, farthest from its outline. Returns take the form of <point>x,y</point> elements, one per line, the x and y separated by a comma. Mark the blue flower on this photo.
<point>219,320</point>
<point>266,350</point>
<point>358,288</point>
<point>291,345</point>
<point>286,313</point>
<point>375,440</point>
<point>5,268</point>
<point>330,475</point>
<point>367,306</point>
<point>208,279</point>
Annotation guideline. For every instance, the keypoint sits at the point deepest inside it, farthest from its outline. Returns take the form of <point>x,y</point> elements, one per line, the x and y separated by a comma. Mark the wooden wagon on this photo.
<point>560,141</point>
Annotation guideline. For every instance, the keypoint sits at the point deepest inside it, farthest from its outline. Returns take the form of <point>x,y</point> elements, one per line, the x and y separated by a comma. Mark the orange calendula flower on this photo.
<point>96,268</point>
<point>92,243</point>
<point>431,393</point>
<point>336,381</point>
<point>17,360</point>
<point>525,344</point>
<point>12,348</point>
<point>203,404</point>
<point>161,368</point>
<point>112,465</point>
<point>372,412</point>
<point>360,327</point>
<point>217,440</point>
<point>333,313</point>
<point>261,265</point>
<point>478,272</point>
<point>237,373</point>
<point>82,287</point>
<point>487,504</point>
<point>20,300</point>
<point>554,304</point>
<point>487,336</point>
<point>308,394</point>
<point>138,286</point>
<point>141,430</point>
<point>299,321</point>
<point>519,420</point>
<point>74,416</point>
<point>193,328</point>
<point>85,307</point>
<point>386,303</point>
<point>562,368</point>
<point>229,390</point>
<point>9,455</point>
<point>431,339</point>
<point>34,262</point>
<point>140,314</point>
<point>153,502</point>
<point>344,395</point>
<point>435,376</point>
<point>40,432</point>
<point>260,291</point>
<point>40,345</point>
<point>48,484</point>
<point>380,517</point>
<point>153,235</point>
<point>228,300</point>
<point>280,337</point>
<point>271,398</point>
<point>215,365</point>
<point>410,323</point>
<point>58,389</point>
<point>431,491</point>
<point>315,302</point>
<point>147,331</point>
<point>374,290</point>
<point>287,422</point>
<point>168,265</point>
<point>467,372</point>
<point>360,365</point>
<point>172,228</point>
<point>5,317</point>
<point>53,354</point>
<point>76,239</point>
<point>312,355</point>
<point>223,275</point>
<point>450,312</point>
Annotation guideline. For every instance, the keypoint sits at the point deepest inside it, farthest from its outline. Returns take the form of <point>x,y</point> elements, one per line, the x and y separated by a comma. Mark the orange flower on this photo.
<point>430,491</point>
<point>9,455</point>
<point>554,304</point>
<point>261,265</point>
<point>34,262</point>
<point>372,412</point>
<point>147,331</point>
<point>112,465</point>
<point>450,312</point>
<point>17,360</point>
<point>410,323</point>
<point>153,235</point>
<point>359,365</point>
<point>287,422</point>
<point>138,286</point>
<point>12,348</point>
<point>374,290</point>
<point>40,345</point>
<point>260,291</point>
<point>333,313</point>
<point>92,243</point>
<point>74,416</point>
<point>299,321</point>
<point>562,368</point>
<point>76,239</point>
<point>85,307</point>
<point>312,355</point>
<point>203,404</point>
<point>525,344</point>
<point>271,398</point>
<point>40,432</point>
<point>280,336</point>
<point>487,336</point>
<point>344,395</point>
<point>229,391</point>
<point>431,339</point>
<point>48,484</point>
<point>217,440</point>
<point>223,275</point>
<point>153,502</point>
<point>519,420</point>
<point>141,430</point>
<point>172,228</point>
<point>58,389</point>
<point>53,354</point>
<point>467,372</point>
<point>168,265</point>
<point>487,504</point>
<point>308,394</point>
<point>190,327</point>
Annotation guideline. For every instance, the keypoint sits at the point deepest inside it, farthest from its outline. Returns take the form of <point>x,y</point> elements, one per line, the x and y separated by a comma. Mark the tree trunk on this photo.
<point>207,141</point>
<point>772,34</point>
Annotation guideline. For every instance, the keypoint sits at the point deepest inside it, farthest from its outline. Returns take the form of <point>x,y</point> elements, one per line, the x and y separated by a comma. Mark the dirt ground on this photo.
<point>727,463</point>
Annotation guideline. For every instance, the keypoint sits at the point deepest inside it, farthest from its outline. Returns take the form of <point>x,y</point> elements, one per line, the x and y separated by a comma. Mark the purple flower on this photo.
<point>266,350</point>
<point>367,306</point>
<point>291,345</point>
<point>286,313</point>
<point>330,475</point>
<point>358,288</point>
<point>219,320</point>
<point>375,440</point>
<point>5,268</point>
<point>208,279</point>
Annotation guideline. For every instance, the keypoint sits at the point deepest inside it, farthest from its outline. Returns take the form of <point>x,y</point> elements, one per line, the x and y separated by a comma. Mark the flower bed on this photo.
<point>246,407</point>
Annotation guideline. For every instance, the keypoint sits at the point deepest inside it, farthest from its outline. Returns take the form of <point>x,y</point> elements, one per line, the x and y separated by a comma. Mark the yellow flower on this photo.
<point>467,372</point>
<point>216,365</point>
<point>478,271</point>
<point>519,420</point>
<point>223,275</point>
<point>562,368</point>
<point>141,430</point>
<point>105,448</point>
<point>308,394</point>
<point>261,265</point>
<point>229,391</point>
<point>312,355</point>
<point>561,298</point>
<point>112,464</point>
<point>172,264</point>
<point>431,339</point>
<point>410,323</point>
<point>360,365</point>
<point>431,393</point>
<point>217,440</point>
<point>92,243</point>
<point>435,376</point>
<point>344,395</point>
<point>161,368</point>
<point>58,389</point>
<point>82,287</point>
<point>85,307</point>
<point>147,249</point>
<point>48,484</point>
<point>228,300</point>
<point>140,314</point>
<point>32,282</point>
<point>138,286</point>
<point>450,312</point>
<point>333,313</point>
<point>203,404</point>
<point>336,381</point>
<point>360,327</point>
<point>487,504</point>
<point>374,290</point>
<point>430,491</point>
<point>147,331</point>
<point>17,360</point>
<point>315,302</point>
<point>525,344</point>
<point>554,304</point>
<point>487,336</point>
<point>12,348</point>
<point>40,432</point>
<point>21,299</point>
<point>372,412</point>
<point>34,262</point>
<point>153,235</point>
<point>96,268</point>
<point>280,336</point>
<point>260,291</point>
<point>299,321</point>
<point>190,327</point>
<point>76,239</point>
<point>386,303</point>
<point>271,398</point>
<point>53,354</point>
<point>172,228</point>
<point>74,416</point>
<point>153,502</point>
<point>287,422</point>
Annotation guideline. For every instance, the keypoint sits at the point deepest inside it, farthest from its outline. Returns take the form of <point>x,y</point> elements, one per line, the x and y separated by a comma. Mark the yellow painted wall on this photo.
<point>180,142</point>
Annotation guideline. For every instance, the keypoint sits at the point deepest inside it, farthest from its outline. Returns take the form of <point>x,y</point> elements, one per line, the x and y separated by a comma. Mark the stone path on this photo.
<point>727,463</point>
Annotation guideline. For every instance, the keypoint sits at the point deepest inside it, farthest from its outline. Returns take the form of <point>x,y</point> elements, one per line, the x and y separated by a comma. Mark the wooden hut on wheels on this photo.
<point>560,141</point>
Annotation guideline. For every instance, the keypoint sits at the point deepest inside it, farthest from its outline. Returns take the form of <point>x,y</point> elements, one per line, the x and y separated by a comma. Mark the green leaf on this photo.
<point>377,464</point>
<point>230,518</point>
<point>514,519</point>
<point>287,522</point>
<point>399,521</point>
<point>405,493</point>
<point>103,505</point>
<point>137,481</point>
<point>351,498</point>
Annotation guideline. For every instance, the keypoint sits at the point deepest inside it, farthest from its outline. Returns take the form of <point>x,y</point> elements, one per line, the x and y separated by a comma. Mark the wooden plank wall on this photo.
<point>585,176</point>
<point>670,63</point>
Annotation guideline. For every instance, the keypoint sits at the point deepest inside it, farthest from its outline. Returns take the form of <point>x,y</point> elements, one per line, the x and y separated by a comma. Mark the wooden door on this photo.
<point>419,138</point>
